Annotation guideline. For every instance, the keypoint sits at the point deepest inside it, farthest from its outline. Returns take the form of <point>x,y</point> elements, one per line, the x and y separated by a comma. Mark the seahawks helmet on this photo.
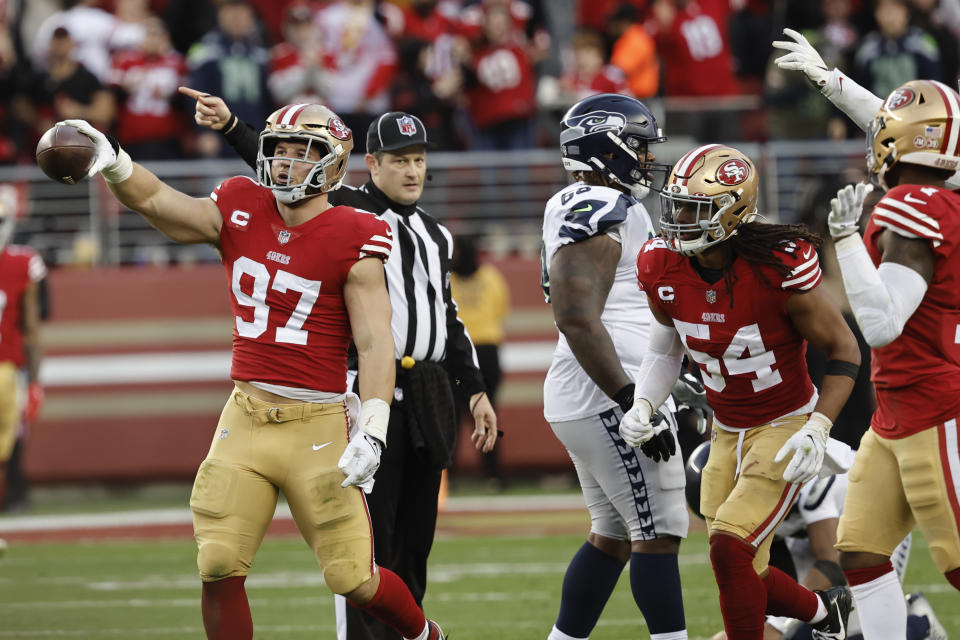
<point>609,134</point>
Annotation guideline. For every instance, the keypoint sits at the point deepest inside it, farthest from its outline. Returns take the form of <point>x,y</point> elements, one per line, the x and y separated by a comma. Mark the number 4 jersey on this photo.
<point>291,326</point>
<point>751,356</point>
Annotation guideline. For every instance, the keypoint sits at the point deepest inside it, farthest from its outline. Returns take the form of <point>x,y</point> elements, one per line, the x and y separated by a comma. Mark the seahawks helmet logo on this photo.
<point>595,122</point>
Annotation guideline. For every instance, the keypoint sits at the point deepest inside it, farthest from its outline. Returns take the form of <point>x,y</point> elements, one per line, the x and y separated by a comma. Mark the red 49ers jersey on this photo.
<point>19,266</point>
<point>917,376</point>
<point>286,284</point>
<point>751,356</point>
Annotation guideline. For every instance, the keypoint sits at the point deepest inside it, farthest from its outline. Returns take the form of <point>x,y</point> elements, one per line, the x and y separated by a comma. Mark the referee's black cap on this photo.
<point>396,130</point>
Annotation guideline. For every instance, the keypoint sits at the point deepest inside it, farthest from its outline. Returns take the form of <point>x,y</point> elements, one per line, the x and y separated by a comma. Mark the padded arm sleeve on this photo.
<point>661,365</point>
<point>882,299</point>
<point>859,104</point>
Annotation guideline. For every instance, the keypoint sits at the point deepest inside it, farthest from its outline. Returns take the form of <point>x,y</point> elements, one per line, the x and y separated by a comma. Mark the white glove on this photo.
<point>802,57</point>
<point>360,460</point>
<point>808,445</point>
<point>635,427</point>
<point>845,210</point>
<point>115,165</point>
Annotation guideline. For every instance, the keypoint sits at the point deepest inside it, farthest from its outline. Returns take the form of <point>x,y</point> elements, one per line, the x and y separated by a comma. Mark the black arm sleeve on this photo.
<point>461,356</point>
<point>244,140</point>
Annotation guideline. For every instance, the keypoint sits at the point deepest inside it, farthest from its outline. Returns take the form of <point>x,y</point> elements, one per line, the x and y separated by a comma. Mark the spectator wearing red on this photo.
<point>362,63</point>
<point>500,81</point>
<point>147,81</point>
<point>693,43</point>
<point>590,73</point>
<point>528,18</point>
<point>297,65</point>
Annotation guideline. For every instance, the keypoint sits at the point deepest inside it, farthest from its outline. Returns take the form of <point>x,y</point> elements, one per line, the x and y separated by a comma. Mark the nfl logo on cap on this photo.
<point>407,126</point>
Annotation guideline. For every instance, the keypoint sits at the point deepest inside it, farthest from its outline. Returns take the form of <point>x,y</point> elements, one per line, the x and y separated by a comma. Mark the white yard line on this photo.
<point>154,517</point>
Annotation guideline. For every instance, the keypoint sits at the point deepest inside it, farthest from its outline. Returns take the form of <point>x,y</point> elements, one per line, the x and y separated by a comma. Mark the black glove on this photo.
<point>624,397</point>
<point>661,446</point>
<point>689,395</point>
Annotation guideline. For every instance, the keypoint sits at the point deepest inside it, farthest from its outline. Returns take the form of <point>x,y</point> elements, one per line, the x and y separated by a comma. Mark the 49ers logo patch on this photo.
<point>900,98</point>
<point>338,130</point>
<point>733,172</point>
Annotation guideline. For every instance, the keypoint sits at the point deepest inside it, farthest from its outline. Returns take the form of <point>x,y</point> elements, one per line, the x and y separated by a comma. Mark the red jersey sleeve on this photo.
<point>374,237</point>
<point>650,264</point>
<point>805,273</point>
<point>920,212</point>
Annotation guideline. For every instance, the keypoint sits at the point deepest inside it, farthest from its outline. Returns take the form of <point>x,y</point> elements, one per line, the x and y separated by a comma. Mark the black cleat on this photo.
<point>839,604</point>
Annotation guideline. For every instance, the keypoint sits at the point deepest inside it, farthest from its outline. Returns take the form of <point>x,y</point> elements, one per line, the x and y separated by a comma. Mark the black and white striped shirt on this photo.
<point>425,323</point>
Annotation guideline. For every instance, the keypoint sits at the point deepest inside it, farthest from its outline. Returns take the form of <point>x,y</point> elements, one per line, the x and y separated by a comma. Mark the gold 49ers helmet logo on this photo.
<point>338,129</point>
<point>900,98</point>
<point>733,172</point>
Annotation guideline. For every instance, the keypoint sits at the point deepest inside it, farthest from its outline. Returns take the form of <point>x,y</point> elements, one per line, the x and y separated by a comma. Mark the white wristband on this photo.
<point>120,170</point>
<point>374,419</point>
<point>821,420</point>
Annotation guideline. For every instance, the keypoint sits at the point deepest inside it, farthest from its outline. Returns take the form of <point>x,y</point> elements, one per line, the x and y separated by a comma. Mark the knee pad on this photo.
<point>342,576</point>
<point>217,561</point>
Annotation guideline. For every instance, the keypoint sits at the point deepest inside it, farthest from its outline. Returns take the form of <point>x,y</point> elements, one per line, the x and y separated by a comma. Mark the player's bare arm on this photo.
<point>368,306</point>
<point>818,319</point>
<point>31,331</point>
<point>581,275</point>
<point>180,217</point>
<point>822,536</point>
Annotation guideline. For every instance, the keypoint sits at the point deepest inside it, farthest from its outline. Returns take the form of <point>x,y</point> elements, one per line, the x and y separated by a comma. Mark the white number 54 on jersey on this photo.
<point>747,340</point>
<point>284,281</point>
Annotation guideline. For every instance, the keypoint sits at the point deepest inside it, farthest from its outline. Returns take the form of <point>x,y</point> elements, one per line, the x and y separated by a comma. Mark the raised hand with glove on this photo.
<point>855,101</point>
<point>846,209</point>
<point>361,458</point>
<point>808,446</point>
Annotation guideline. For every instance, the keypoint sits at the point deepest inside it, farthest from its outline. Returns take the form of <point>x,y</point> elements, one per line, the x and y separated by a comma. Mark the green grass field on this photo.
<point>487,587</point>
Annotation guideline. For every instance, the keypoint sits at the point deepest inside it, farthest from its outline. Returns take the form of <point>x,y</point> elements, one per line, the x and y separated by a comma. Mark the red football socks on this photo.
<point>743,598</point>
<point>785,597</point>
<point>226,611</point>
<point>862,576</point>
<point>394,606</point>
<point>953,577</point>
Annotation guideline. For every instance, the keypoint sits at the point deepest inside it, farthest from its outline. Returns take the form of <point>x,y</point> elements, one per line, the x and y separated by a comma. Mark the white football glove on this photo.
<point>360,460</point>
<point>808,446</point>
<point>802,57</point>
<point>114,163</point>
<point>845,210</point>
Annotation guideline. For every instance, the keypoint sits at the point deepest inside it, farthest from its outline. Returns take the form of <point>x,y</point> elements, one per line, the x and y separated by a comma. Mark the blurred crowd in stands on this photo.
<point>482,74</point>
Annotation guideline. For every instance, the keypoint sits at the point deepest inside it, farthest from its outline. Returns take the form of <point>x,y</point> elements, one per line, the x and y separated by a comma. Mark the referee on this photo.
<point>433,349</point>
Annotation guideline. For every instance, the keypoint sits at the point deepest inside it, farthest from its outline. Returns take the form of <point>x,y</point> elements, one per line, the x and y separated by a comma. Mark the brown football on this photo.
<point>65,154</point>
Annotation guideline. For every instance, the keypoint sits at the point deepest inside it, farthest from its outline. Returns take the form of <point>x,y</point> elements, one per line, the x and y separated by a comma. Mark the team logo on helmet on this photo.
<point>407,126</point>
<point>283,237</point>
<point>900,98</point>
<point>338,129</point>
<point>596,121</point>
<point>733,172</point>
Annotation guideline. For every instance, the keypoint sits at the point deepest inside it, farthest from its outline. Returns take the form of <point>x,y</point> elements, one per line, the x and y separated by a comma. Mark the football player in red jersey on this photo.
<point>903,282</point>
<point>304,278</point>
<point>21,269</point>
<point>742,298</point>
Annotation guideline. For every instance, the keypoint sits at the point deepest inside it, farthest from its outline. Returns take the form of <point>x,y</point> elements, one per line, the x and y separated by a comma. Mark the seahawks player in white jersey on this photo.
<point>592,232</point>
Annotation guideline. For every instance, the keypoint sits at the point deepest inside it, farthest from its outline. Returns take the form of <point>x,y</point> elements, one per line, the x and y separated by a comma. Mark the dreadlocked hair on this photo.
<point>759,243</point>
